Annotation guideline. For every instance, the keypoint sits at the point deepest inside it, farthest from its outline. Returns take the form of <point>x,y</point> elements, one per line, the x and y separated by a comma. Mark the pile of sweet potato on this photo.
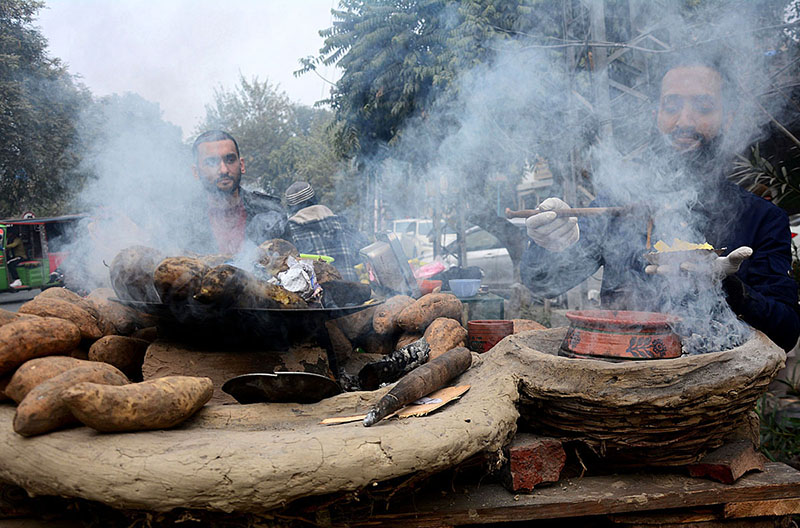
<point>399,321</point>
<point>65,359</point>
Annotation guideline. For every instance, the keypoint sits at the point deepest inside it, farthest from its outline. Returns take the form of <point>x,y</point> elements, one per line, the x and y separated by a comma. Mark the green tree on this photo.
<point>39,105</point>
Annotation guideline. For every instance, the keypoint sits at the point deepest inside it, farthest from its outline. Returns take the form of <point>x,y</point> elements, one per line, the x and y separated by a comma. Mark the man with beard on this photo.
<point>234,214</point>
<point>687,196</point>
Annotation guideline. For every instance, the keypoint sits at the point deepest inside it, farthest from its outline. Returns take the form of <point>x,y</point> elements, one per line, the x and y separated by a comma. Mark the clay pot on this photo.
<point>484,334</point>
<point>620,335</point>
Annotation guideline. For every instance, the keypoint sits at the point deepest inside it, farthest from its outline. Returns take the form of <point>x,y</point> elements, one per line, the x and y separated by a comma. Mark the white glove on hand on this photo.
<point>720,268</point>
<point>551,232</point>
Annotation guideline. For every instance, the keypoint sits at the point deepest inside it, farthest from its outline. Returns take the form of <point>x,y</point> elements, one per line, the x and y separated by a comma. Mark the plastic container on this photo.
<point>428,285</point>
<point>464,287</point>
<point>483,334</point>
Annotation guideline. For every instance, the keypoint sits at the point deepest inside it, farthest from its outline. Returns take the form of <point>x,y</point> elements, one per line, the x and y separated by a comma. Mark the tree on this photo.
<point>39,105</point>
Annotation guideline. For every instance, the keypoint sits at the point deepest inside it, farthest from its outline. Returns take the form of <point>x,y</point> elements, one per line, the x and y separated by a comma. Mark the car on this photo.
<point>415,235</point>
<point>485,251</point>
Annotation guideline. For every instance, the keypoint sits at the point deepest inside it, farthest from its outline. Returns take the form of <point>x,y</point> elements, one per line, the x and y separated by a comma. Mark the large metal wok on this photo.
<point>276,327</point>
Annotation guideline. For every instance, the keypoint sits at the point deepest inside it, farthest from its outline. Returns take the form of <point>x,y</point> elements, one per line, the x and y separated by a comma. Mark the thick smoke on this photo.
<point>141,190</point>
<point>528,103</point>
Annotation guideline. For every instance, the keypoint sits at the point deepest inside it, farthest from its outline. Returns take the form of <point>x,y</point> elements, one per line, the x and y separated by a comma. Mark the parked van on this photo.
<point>415,235</point>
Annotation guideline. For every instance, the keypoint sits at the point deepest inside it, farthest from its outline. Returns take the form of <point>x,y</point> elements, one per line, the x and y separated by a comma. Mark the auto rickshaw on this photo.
<point>46,242</point>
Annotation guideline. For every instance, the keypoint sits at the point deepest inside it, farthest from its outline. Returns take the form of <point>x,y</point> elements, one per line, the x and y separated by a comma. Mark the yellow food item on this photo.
<point>679,245</point>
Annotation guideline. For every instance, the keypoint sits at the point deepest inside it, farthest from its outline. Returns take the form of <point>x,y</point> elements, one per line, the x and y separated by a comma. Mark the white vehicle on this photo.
<point>485,251</point>
<point>415,235</point>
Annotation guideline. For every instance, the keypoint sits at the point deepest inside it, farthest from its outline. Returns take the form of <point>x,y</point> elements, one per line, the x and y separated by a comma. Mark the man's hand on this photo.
<point>549,231</point>
<point>720,267</point>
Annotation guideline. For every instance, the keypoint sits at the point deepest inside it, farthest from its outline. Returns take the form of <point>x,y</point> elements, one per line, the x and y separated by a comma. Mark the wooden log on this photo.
<point>729,462</point>
<point>421,381</point>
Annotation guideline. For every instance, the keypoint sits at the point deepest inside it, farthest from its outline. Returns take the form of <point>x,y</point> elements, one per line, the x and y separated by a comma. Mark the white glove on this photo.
<point>720,267</point>
<point>551,232</point>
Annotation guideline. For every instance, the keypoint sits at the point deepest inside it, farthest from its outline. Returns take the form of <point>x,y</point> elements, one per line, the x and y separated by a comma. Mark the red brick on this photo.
<point>533,460</point>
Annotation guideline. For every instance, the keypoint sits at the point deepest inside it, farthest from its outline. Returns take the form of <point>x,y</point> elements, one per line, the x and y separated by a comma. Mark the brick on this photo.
<point>729,462</point>
<point>532,460</point>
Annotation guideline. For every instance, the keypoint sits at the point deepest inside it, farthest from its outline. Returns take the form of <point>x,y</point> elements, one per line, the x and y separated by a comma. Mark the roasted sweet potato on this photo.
<point>443,334</point>
<point>178,279</point>
<point>273,255</point>
<point>228,285</point>
<point>43,409</point>
<point>417,316</point>
<point>407,339</point>
<point>149,334</point>
<point>125,353</point>
<point>132,273</point>
<point>385,319</point>
<point>36,371</point>
<point>54,307</point>
<point>120,319</point>
<point>344,293</point>
<point>35,337</point>
<point>325,272</point>
<point>154,404</point>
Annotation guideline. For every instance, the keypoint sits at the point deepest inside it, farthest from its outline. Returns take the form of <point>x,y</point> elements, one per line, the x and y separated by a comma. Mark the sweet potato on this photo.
<point>71,297</point>
<point>407,339</point>
<point>37,371</point>
<point>7,317</point>
<point>132,273</point>
<point>444,334</point>
<point>417,316</point>
<point>125,353</point>
<point>384,321</point>
<point>273,255</point>
<point>227,285</point>
<point>4,381</point>
<point>177,279</point>
<point>325,272</point>
<point>31,338</point>
<point>53,307</point>
<point>120,319</point>
<point>43,409</point>
<point>154,404</point>
<point>149,334</point>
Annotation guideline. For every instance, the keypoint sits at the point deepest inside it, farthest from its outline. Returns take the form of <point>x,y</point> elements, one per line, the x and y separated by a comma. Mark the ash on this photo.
<point>715,336</point>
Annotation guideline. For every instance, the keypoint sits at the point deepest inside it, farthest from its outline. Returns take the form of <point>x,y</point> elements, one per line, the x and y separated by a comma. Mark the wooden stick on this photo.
<point>578,211</point>
<point>649,232</point>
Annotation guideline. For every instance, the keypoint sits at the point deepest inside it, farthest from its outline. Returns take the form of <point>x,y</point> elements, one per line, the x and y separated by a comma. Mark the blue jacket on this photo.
<point>762,292</point>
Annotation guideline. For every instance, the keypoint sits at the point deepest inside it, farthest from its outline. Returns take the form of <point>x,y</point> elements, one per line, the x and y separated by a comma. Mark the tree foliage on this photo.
<point>39,105</point>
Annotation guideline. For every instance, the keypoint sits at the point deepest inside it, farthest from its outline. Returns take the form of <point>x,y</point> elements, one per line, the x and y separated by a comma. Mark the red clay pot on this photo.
<point>485,333</point>
<point>620,335</point>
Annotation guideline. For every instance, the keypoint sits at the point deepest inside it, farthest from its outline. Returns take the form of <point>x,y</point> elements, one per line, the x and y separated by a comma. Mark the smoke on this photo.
<point>140,189</point>
<point>532,101</point>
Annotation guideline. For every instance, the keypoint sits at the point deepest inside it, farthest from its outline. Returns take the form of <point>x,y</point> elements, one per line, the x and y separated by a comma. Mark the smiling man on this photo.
<point>234,214</point>
<point>681,179</point>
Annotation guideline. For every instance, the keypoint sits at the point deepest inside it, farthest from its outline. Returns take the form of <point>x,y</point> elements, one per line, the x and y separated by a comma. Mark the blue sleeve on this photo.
<point>763,292</point>
<point>548,274</point>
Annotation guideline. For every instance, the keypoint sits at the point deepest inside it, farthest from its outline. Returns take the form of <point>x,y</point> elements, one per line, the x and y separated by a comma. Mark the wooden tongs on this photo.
<point>576,211</point>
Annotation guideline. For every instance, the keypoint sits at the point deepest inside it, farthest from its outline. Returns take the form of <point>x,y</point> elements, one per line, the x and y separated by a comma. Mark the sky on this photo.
<point>176,52</point>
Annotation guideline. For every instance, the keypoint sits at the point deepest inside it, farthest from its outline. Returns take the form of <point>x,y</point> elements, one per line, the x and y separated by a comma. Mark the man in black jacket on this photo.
<point>752,275</point>
<point>234,214</point>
